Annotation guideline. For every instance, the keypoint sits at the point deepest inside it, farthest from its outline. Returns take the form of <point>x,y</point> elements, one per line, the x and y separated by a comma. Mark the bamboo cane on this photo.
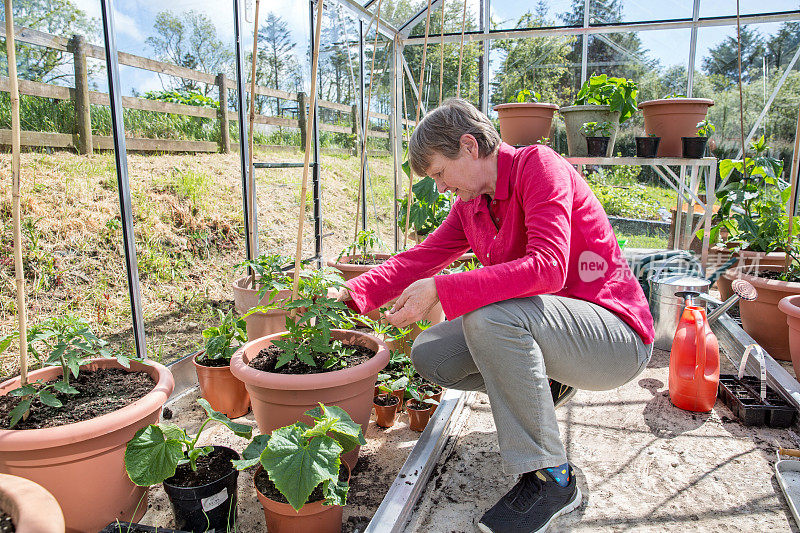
<point>312,104</point>
<point>251,133</point>
<point>441,59</point>
<point>416,121</point>
<point>15,193</point>
<point>793,189</point>
<point>365,133</point>
<point>461,49</point>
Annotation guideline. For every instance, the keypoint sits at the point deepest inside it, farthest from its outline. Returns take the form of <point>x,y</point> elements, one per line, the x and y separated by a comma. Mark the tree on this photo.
<point>722,63</point>
<point>190,40</point>
<point>57,17</point>
<point>615,54</point>
<point>782,45</point>
<point>277,66</point>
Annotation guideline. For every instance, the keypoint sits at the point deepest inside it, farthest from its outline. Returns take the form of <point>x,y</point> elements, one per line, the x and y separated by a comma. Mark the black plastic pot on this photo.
<point>208,507</point>
<point>597,146</point>
<point>127,527</point>
<point>744,401</point>
<point>694,147</point>
<point>647,146</point>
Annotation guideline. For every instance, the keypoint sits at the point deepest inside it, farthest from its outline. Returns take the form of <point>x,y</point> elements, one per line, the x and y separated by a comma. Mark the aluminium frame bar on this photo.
<point>316,184</point>
<point>123,182</point>
<point>485,27</point>
<point>362,13</point>
<point>362,112</point>
<point>692,48</point>
<point>705,22</point>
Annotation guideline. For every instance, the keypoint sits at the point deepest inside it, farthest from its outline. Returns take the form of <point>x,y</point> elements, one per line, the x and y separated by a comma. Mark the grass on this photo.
<point>622,194</point>
<point>643,241</point>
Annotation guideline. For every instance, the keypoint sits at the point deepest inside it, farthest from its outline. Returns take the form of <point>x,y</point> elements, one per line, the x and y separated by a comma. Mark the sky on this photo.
<point>134,23</point>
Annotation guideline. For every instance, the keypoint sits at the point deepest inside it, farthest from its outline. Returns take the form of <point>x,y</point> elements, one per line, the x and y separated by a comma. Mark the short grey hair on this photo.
<point>441,130</point>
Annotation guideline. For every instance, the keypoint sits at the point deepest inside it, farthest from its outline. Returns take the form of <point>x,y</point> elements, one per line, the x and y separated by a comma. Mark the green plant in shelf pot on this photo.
<point>617,93</point>
<point>526,95</point>
<point>299,458</point>
<point>67,342</point>
<point>705,128</point>
<point>597,129</point>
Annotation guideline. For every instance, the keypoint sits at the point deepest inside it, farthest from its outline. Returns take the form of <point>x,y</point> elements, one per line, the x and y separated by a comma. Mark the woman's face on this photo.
<point>461,175</point>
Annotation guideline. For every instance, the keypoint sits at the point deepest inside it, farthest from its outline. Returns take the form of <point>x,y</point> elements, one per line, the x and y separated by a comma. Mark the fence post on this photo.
<point>302,117</point>
<point>83,117</point>
<point>354,121</point>
<point>222,114</point>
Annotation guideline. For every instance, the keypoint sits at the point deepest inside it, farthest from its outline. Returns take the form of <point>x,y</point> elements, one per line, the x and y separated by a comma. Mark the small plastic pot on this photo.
<point>435,396</point>
<point>418,418</point>
<point>400,395</point>
<point>597,146</point>
<point>385,414</point>
<point>208,507</point>
<point>647,146</point>
<point>694,147</point>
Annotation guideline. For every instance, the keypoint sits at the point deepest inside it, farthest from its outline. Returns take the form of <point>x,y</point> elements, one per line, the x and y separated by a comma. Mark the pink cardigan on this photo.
<point>544,232</point>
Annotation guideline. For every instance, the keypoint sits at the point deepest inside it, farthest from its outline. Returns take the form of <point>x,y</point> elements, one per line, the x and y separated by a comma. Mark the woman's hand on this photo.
<point>340,294</point>
<point>414,303</point>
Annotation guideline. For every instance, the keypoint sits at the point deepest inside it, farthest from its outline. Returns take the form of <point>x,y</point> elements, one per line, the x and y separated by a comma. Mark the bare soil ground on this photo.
<point>188,225</point>
<point>641,463</point>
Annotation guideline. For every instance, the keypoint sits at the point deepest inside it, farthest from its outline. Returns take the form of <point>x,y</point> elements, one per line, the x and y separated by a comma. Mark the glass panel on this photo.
<point>718,8</point>
<point>508,14</point>
<point>610,11</point>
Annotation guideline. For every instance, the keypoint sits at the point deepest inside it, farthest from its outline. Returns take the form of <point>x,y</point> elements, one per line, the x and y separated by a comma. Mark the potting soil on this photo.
<point>210,468</point>
<point>213,363</point>
<point>268,358</point>
<point>6,525</point>
<point>366,260</point>
<point>99,392</point>
<point>385,400</point>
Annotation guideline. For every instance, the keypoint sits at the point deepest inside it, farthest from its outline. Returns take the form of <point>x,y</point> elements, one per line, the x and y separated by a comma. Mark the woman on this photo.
<point>555,298</point>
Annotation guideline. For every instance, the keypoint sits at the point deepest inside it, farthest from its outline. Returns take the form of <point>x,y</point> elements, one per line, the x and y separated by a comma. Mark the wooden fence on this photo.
<point>85,141</point>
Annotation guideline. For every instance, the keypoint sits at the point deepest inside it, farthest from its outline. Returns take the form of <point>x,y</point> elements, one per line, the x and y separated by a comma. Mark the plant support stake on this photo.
<point>304,186</point>
<point>15,194</point>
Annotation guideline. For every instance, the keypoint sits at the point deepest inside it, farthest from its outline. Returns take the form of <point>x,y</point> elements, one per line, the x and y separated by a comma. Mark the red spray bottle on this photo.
<point>694,360</point>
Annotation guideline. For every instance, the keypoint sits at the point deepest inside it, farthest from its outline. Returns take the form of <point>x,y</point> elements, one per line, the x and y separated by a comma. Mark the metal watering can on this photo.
<point>664,284</point>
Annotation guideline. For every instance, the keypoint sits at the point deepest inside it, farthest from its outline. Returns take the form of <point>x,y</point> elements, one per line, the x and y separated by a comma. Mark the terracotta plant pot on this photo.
<point>576,116</point>
<point>761,318</point>
<point>418,418</point>
<point>281,399</point>
<point>258,324</point>
<point>312,517</point>
<point>385,414</point>
<point>223,391</point>
<point>82,464</point>
<point>750,263</point>
<point>525,123</point>
<point>435,396</point>
<point>401,396</point>
<point>32,509</point>
<point>790,306</point>
<point>673,118</point>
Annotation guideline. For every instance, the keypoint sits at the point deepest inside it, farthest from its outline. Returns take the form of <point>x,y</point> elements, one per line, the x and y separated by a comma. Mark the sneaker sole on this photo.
<point>571,506</point>
<point>564,399</point>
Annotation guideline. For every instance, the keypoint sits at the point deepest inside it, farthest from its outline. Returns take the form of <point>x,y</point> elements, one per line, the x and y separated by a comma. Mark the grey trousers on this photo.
<point>508,349</point>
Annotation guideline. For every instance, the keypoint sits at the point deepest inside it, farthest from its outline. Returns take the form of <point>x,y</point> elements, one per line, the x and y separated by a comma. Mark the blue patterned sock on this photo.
<point>560,474</point>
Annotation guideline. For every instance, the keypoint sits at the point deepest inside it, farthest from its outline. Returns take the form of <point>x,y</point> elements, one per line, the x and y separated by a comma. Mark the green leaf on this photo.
<point>20,411</point>
<point>297,467</point>
<point>150,458</point>
<point>241,430</point>
<point>47,398</point>
<point>252,454</point>
<point>335,492</point>
<point>346,432</point>
<point>25,390</point>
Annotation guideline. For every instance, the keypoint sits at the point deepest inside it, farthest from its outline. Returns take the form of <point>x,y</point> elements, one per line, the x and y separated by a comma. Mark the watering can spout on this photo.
<point>741,289</point>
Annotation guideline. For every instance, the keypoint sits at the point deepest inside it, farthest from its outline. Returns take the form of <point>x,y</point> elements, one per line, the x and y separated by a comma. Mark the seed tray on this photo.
<point>127,527</point>
<point>742,398</point>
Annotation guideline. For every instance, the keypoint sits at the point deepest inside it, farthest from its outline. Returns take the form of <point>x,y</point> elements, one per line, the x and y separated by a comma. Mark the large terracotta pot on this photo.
<point>761,318</point>
<point>82,464</point>
<point>790,306</point>
<point>576,116</point>
<point>281,399</point>
<point>673,118</point>
<point>751,263</point>
<point>223,391</point>
<point>312,517</point>
<point>525,123</point>
<point>32,509</point>
<point>258,324</point>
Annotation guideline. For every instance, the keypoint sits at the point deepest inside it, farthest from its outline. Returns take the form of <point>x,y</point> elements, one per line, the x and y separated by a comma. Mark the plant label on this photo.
<point>214,501</point>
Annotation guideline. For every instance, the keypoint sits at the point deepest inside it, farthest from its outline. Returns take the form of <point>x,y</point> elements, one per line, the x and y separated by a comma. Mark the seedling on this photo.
<point>298,458</point>
<point>705,128</point>
<point>156,451</point>
<point>597,129</point>
<point>526,95</point>
<point>652,135</point>
<point>364,246</point>
<point>71,343</point>
<point>223,340</point>
<point>420,399</point>
<point>387,385</point>
<point>269,272</point>
<point>674,95</point>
